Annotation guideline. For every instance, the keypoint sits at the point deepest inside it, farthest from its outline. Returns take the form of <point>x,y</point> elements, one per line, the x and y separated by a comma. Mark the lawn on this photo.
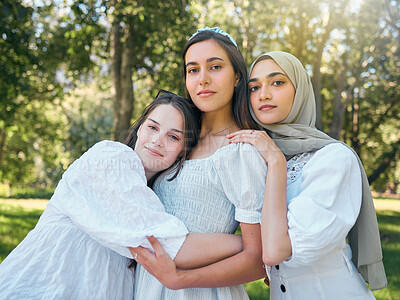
<point>18,217</point>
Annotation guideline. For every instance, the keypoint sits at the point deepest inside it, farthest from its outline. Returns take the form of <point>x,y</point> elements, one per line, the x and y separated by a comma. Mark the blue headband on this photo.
<point>216,30</point>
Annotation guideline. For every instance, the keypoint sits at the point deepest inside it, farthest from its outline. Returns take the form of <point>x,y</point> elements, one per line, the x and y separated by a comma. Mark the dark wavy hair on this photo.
<point>191,115</point>
<point>240,103</point>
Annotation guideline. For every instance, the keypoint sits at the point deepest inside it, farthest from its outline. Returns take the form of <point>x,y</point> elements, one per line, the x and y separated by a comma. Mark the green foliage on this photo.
<point>87,114</point>
<point>47,49</point>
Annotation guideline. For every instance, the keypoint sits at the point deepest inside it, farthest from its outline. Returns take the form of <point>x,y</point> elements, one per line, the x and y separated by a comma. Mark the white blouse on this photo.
<point>324,198</point>
<point>78,248</point>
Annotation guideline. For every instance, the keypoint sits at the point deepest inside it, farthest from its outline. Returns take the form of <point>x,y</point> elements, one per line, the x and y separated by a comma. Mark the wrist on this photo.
<point>178,281</point>
<point>277,161</point>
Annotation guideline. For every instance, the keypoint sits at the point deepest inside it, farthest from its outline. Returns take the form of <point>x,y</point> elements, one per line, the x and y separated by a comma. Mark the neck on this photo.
<point>216,121</point>
<point>149,175</point>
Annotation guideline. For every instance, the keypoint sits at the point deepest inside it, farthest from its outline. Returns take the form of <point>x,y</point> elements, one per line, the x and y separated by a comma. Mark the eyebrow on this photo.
<point>273,74</point>
<point>173,129</point>
<point>208,60</point>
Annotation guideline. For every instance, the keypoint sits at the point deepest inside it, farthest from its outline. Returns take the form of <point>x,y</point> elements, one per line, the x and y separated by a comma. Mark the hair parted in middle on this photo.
<point>240,105</point>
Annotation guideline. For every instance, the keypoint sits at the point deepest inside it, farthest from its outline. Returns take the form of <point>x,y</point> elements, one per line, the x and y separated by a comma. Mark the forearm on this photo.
<point>275,238</point>
<point>243,267</point>
<point>201,249</point>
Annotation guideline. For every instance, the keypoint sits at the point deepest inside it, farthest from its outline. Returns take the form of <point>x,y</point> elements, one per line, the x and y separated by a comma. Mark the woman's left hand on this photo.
<point>159,264</point>
<point>259,139</point>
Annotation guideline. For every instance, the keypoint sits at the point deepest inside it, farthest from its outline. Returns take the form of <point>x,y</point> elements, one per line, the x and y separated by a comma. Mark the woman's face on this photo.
<point>210,78</point>
<point>160,139</point>
<point>271,92</point>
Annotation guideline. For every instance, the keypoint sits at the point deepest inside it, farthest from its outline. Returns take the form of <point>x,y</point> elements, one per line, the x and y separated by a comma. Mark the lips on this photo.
<point>266,107</point>
<point>154,152</point>
<point>205,93</point>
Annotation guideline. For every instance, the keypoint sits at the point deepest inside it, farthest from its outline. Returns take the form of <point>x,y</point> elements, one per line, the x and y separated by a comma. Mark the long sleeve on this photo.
<point>327,206</point>
<point>241,172</point>
<point>105,194</point>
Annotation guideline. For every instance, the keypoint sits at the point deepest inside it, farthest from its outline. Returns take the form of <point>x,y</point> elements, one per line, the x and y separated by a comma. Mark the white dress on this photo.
<point>324,199</point>
<point>78,248</point>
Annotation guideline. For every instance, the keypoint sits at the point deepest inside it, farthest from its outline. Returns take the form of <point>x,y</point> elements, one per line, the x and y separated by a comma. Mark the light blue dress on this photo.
<point>211,194</point>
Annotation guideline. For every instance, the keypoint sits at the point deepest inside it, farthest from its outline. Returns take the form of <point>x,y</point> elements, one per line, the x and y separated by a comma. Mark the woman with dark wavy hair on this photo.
<point>103,205</point>
<point>219,185</point>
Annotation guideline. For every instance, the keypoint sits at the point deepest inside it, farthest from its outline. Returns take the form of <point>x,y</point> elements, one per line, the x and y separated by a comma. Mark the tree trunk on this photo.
<point>339,104</point>
<point>121,74</point>
<point>127,99</point>
<point>299,46</point>
<point>356,129</point>
<point>2,144</point>
<point>316,80</point>
<point>115,53</point>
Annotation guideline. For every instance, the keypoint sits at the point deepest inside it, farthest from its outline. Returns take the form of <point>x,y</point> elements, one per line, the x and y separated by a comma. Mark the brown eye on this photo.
<point>278,82</point>
<point>253,89</point>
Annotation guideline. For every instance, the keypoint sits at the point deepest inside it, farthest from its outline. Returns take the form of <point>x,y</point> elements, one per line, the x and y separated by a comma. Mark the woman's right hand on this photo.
<point>158,263</point>
<point>261,140</point>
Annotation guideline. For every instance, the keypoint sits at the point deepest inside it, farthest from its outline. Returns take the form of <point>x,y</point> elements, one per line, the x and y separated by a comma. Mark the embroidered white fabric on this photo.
<point>295,165</point>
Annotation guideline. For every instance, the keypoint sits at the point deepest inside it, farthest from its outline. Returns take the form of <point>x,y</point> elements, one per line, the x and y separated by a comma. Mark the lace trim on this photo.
<point>295,165</point>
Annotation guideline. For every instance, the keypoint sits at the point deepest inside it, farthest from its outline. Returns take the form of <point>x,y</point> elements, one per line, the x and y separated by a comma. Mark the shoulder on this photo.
<point>239,155</point>
<point>236,150</point>
<point>111,155</point>
<point>336,151</point>
<point>111,149</point>
<point>111,146</point>
<point>335,156</point>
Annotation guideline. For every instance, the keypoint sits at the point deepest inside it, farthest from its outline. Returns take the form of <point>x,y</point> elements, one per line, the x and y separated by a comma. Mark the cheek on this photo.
<point>253,101</point>
<point>189,85</point>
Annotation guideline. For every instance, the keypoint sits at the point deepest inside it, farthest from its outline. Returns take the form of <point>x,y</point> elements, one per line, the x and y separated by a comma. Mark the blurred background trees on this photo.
<point>76,72</point>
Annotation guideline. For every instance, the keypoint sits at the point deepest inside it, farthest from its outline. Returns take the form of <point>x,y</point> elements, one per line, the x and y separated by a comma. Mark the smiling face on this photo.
<point>210,77</point>
<point>160,139</point>
<point>271,92</point>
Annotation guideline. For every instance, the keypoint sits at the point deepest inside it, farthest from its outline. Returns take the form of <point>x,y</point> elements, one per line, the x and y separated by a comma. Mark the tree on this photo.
<point>25,91</point>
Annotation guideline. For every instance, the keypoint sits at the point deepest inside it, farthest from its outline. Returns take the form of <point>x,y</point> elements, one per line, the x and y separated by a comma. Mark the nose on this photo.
<point>204,78</point>
<point>157,140</point>
<point>265,93</point>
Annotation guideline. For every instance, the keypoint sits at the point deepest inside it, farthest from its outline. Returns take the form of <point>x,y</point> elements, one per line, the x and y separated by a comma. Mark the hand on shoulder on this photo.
<point>261,141</point>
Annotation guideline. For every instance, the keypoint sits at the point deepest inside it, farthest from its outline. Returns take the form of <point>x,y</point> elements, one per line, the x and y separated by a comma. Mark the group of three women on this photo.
<point>308,191</point>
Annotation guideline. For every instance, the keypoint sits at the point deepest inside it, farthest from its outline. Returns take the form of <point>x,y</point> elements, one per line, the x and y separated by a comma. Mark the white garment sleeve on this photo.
<point>242,172</point>
<point>327,206</point>
<point>105,194</point>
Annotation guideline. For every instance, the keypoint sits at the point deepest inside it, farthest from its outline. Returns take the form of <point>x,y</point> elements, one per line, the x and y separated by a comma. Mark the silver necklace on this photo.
<point>222,130</point>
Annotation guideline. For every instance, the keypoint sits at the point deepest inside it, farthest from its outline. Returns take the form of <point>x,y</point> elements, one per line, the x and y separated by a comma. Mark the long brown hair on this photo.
<point>240,103</point>
<point>191,116</point>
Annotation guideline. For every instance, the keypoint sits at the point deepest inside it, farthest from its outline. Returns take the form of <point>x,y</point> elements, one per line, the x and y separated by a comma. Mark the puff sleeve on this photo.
<point>105,194</point>
<point>241,172</point>
<point>328,204</point>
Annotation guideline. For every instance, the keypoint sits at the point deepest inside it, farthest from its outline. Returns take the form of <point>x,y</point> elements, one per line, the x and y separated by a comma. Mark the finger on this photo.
<point>132,251</point>
<point>242,139</point>
<point>142,254</point>
<point>158,249</point>
<point>243,135</point>
<point>240,132</point>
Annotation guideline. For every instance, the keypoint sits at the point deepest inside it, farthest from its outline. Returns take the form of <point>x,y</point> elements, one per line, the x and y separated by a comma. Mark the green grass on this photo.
<point>16,221</point>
